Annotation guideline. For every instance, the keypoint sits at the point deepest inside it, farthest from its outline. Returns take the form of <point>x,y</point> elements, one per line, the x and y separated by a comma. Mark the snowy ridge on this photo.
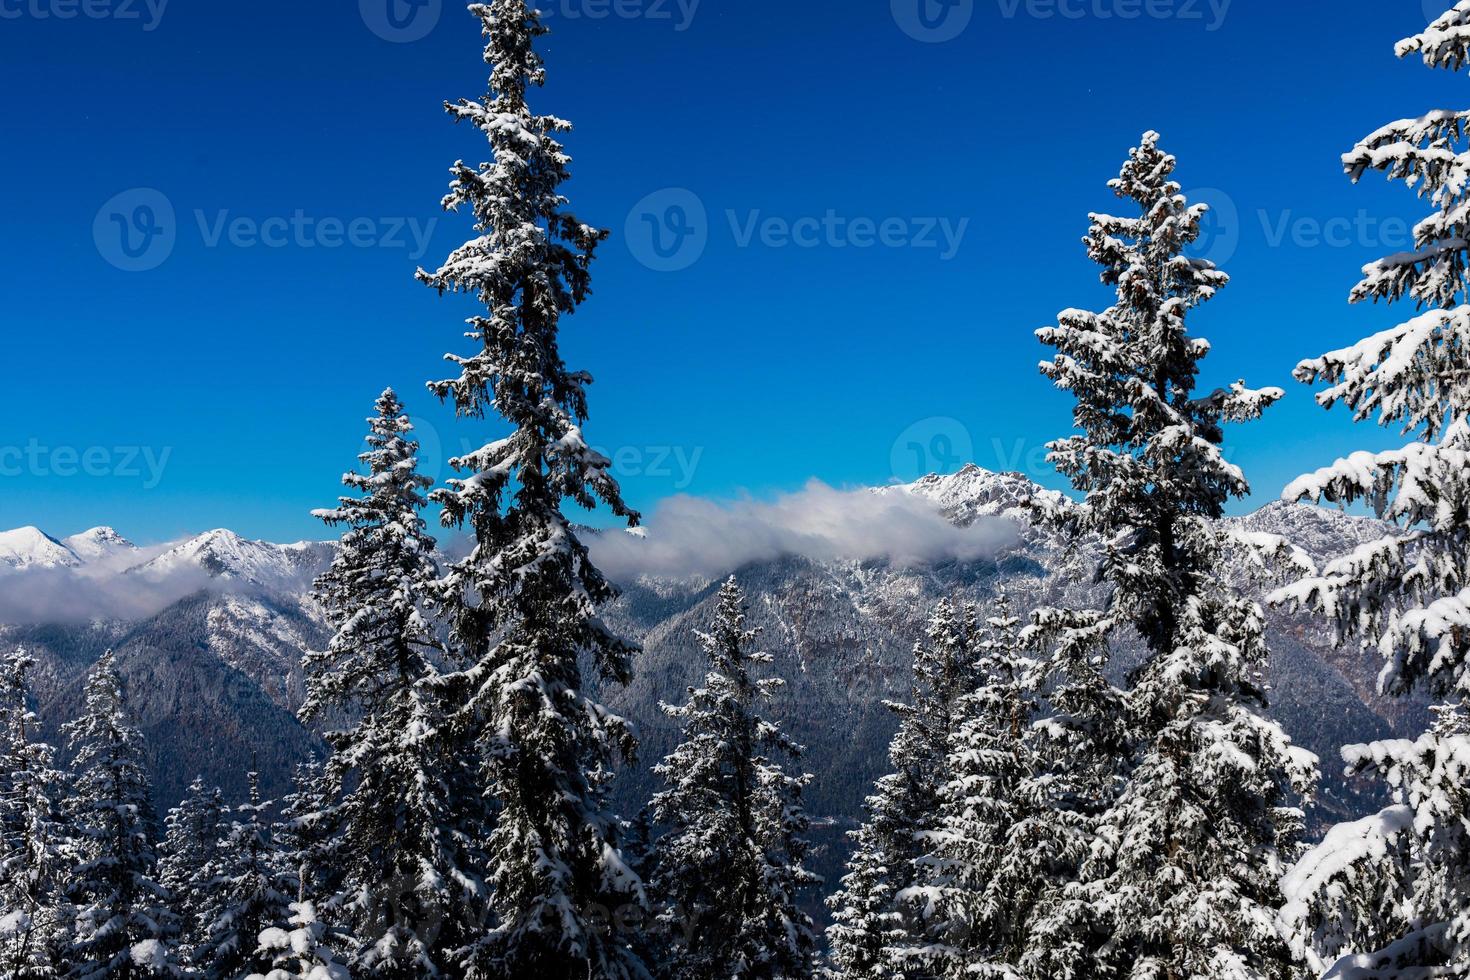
<point>30,547</point>
<point>975,492</point>
<point>99,544</point>
<point>223,554</point>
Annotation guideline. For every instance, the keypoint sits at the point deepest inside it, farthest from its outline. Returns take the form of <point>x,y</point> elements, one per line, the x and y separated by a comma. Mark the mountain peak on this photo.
<point>223,554</point>
<point>30,547</point>
<point>99,542</point>
<point>973,492</point>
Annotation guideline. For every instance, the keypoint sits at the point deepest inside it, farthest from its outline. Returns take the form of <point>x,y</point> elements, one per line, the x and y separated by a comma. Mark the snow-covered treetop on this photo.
<point>1409,592</point>
<point>1149,457</point>
<point>1445,42</point>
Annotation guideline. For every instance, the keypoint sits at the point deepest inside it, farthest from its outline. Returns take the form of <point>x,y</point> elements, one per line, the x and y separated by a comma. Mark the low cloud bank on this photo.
<point>690,537</point>
<point>100,590</point>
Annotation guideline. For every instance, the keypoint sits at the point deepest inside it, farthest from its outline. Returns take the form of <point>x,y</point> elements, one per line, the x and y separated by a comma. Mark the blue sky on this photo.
<point>881,215</point>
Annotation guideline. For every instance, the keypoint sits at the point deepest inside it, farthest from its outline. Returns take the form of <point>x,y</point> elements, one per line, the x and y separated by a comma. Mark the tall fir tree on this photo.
<point>871,925</point>
<point>123,927</point>
<point>407,888</point>
<point>34,842</point>
<point>524,605</point>
<point>980,867</point>
<point>1390,895</point>
<point>729,869</point>
<point>250,891</point>
<point>1189,857</point>
<point>187,859</point>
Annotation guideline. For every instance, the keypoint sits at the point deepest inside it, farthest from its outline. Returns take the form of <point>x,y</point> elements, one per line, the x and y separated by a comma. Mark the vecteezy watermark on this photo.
<point>834,230</point>
<point>1219,229</point>
<point>669,231</point>
<point>932,445</point>
<point>1360,229</point>
<point>147,13</point>
<point>933,21</point>
<point>98,462</point>
<point>401,21</point>
<point>137,231</point>
<point>1224,228</point>
<point>1209,13</point>
<point>678,13</point>
<point>301,230</point>
<point>675,464</point>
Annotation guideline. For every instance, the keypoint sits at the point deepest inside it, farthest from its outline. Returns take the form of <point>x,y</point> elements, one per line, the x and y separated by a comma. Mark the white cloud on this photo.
<point>100,590</point>
<point>690,537</point>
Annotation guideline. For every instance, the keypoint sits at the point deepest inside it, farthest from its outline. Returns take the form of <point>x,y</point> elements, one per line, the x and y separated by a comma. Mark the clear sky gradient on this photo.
<point>836,225</point>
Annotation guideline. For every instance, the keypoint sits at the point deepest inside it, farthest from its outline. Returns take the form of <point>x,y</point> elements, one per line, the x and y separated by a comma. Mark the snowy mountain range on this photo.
<point>214,671</point>
<point>29,547</point>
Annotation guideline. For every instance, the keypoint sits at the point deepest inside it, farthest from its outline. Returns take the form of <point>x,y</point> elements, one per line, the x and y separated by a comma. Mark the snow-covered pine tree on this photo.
<point>1384,898</point>
<point>979,873</point>
<point>729,868</point>
<point>1173,893</point>
<point>187,858</point>
<point>305,834</point>
<point>1390,895</point>
<point>33,838</point>
<point>524,604</point>
<point>250,891</point>
<point>870,923</point>
<point>301,951</point>
<point>1080,753</point>
<point>406,888</point>
<point>124,927</point>
<point>1409,592</point>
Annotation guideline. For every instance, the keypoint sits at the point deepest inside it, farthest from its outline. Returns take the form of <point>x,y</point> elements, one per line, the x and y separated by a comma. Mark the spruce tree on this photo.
<point>870,922</point>
<point>729,868</point>
<point>979,875</point>
<point>524,605</point>
<point>1080,751</point>
<point>1388,896</point>
<point>405,885</point>
<point>306,833</point>
<point>123,924</point>
<point>1185,877</point>
<point>34,842</point>
<point>250,891</point>
<point>187,861</point>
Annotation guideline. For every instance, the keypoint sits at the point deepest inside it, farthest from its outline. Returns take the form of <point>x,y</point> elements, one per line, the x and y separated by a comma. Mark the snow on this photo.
<point>223,554</point>
<point>98,544</point>
<point>30,547</point>
<point>1345,845</point>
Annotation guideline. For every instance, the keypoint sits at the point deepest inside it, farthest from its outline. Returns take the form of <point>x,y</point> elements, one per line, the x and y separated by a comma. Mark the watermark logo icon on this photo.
<point>401,21</point>
<point>933,445</point>
<point>668,230</point>
<point>1219,235</point>
<point>136,231</point>
<point>933,21</point>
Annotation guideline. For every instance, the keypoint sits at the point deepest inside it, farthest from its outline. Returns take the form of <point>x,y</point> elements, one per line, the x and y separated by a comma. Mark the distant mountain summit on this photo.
<point>99,544</point>
<point>30,547</point>
<point>223,554</point>
<point>974,492</point>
